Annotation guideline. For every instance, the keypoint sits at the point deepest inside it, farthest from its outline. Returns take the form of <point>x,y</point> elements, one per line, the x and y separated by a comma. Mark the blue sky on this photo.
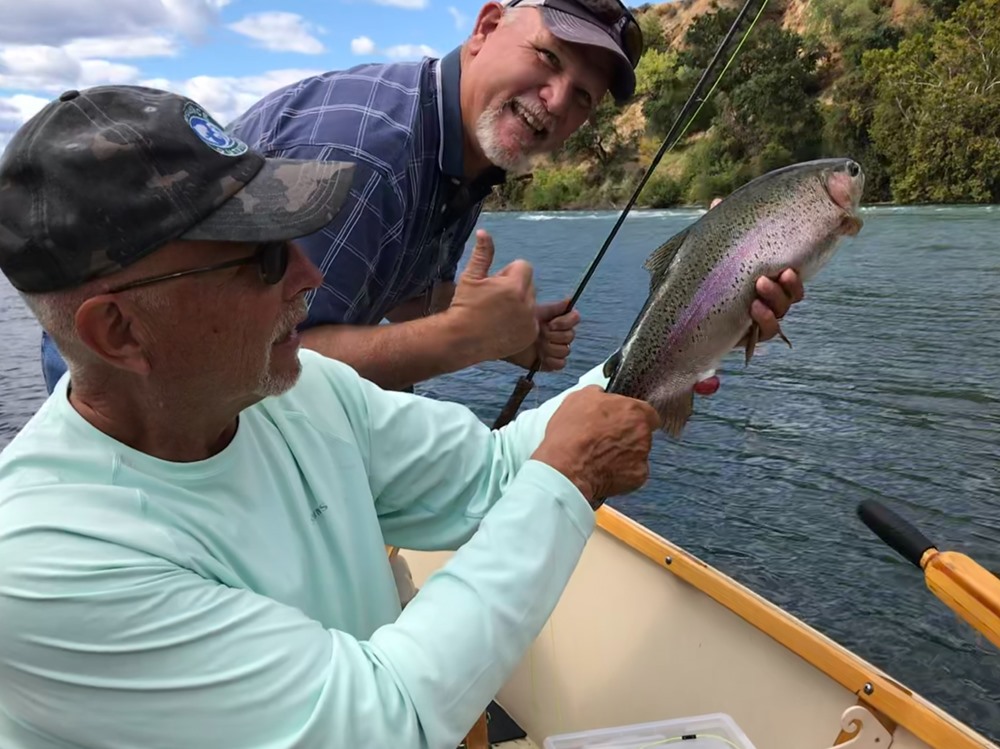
<point>223,53</point>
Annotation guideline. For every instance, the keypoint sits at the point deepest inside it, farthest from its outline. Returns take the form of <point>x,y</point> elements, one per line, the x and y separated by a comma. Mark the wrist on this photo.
<point>463,341</point>
<point>576,475</point>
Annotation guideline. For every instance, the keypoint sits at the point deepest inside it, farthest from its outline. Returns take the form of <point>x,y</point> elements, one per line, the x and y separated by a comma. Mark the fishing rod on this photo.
<point>526,383</point>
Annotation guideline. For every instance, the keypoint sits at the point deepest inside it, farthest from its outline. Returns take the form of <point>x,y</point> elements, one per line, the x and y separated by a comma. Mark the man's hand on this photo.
<point>496,314</point>
<point>600,441</point>
<point>556,332</point>
<point>774,299</point>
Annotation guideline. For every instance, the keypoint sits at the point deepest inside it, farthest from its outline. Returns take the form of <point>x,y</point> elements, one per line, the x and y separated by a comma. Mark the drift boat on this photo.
<point>650,646</point>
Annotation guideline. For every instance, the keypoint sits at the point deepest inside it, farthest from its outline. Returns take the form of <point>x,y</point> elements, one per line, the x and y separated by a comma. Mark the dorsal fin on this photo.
<point>659,261</point>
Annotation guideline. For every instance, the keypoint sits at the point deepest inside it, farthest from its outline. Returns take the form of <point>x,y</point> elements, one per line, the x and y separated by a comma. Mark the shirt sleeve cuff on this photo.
<point>550,481</point>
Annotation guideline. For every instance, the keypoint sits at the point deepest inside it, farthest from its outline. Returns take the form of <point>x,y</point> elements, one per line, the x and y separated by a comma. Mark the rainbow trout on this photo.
<point>702,280</point>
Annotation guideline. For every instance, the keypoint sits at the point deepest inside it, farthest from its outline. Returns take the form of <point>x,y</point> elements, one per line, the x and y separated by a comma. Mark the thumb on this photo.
<point>482,256</point>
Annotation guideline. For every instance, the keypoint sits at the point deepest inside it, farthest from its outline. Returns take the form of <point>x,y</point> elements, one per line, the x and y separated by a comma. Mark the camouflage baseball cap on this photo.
<point>102,177</point>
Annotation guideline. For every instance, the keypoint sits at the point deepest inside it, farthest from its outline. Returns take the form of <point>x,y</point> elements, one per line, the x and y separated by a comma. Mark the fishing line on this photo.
<point>526,383</point>
<point>690,737</point>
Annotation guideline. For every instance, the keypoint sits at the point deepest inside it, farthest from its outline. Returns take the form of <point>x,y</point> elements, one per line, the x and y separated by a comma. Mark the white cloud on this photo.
<point>127,46</point>
<point>14,112</point>
<point>225,98</point>
<point>52,45</point>
<point>42,68</point>
<point>458,16</point>
<point>410,51</point>
<point>56,22</point>
<point>365,46</point>
<point>280,32</point>
<point>362,46</point>
<point>406,4</point>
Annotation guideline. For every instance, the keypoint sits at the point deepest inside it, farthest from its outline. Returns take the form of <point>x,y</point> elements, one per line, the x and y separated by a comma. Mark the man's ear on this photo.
<point>486,23</point>
<point>112,332</point>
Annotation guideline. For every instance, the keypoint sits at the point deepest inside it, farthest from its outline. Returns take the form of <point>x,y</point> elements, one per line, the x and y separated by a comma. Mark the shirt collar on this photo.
<point>450,156</point>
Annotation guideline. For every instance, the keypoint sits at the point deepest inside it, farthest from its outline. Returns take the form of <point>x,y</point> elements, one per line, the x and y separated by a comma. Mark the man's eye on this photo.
<point>549,57</point>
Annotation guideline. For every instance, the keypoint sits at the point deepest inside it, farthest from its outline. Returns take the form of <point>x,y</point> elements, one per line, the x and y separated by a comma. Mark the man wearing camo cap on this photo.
<point>193,525</point>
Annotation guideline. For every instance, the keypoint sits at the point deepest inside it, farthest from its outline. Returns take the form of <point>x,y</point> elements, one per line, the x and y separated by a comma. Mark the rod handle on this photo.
<point>523,387</point>
<point>900,534</point>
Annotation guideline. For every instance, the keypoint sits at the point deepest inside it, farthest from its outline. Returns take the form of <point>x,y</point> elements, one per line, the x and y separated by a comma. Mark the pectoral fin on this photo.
<point>752,337</point>
<point>783,337</point>
<point>851,225</point>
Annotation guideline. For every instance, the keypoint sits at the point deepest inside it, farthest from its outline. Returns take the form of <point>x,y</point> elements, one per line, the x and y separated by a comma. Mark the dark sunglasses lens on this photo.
<point>633,42</point>
<point>274,261</point>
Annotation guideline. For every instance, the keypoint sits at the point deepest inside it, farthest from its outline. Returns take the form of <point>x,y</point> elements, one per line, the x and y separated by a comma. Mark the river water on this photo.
<point>890,392</point>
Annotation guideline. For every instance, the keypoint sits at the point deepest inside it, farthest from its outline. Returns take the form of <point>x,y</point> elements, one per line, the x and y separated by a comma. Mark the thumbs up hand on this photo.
<point>496,313</point>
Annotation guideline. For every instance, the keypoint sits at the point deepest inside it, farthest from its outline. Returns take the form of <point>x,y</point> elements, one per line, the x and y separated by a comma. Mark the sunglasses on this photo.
<point>612,15</point>
<point>270,257</point>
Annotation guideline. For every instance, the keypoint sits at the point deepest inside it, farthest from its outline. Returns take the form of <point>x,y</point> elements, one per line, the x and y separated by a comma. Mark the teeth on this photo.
<point>533,122</point>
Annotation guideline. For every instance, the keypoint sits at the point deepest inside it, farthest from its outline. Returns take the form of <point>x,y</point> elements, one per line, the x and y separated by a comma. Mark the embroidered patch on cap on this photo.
<point>211,132</point>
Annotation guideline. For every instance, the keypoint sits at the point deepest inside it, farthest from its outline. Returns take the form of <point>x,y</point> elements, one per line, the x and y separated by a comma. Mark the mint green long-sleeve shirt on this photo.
<point>247,600</point>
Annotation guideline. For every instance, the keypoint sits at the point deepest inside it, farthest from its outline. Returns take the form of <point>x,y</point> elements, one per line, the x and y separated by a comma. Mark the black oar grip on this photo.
<point>898,533</point>
<point>522,388</point>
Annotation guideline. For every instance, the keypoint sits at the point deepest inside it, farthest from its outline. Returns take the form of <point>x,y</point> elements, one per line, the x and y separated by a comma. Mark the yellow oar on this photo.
<point>969,589</point>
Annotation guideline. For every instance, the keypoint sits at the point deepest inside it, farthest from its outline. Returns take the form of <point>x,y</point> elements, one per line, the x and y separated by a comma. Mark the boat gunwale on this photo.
<point>886,695</point>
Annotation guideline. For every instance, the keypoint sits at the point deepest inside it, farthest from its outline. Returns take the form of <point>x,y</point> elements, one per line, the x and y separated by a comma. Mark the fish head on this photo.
<point>844,182</point>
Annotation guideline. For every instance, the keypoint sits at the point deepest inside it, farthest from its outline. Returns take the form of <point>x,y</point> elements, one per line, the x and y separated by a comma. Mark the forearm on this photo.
<point>414,309</point>
<point>435,469</point>
<point>397,355</point>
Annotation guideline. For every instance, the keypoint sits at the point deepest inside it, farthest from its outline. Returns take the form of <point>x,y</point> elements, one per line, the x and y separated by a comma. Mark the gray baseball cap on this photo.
<point>607,24</point>
<point>103,177</point>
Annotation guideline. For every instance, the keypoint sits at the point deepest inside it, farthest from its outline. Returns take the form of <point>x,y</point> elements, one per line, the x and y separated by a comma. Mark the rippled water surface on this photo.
<point>891,391</point>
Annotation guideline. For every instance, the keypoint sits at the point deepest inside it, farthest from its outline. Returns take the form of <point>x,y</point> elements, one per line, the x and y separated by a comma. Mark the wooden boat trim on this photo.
<point>874,688</point>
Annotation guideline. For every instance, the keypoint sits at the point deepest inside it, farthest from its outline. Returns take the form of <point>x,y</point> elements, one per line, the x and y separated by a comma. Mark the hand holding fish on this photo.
<point>600,442</point>
<point>556,332</point>
<point>774,298</point>
<point>496,313</point>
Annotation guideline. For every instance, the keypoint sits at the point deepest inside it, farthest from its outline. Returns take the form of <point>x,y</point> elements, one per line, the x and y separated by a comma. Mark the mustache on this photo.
<point>291,318</point>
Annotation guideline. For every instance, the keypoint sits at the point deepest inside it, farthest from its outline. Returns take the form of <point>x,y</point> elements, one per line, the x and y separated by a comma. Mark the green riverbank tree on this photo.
<point>912,91</point>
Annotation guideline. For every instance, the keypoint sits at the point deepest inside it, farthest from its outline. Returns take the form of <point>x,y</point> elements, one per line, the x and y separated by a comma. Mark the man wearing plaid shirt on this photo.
<point>430,140</point>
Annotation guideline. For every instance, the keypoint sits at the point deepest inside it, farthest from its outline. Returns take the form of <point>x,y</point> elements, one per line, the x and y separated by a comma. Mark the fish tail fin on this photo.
<point>675,412</point>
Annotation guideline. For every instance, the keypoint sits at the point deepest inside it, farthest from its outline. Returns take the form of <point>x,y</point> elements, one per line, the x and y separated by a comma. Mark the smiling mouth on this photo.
<point>530,121</point>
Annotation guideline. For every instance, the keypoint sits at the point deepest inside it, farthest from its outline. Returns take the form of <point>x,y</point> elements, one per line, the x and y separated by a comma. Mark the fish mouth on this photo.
<point>850,222</point>
<point>841,198</point>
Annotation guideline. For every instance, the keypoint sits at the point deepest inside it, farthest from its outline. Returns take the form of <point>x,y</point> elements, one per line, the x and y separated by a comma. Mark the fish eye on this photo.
<point>853,169</point>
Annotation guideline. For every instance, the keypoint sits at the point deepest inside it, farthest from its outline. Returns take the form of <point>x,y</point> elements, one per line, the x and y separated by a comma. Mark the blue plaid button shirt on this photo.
<point>410,211</point>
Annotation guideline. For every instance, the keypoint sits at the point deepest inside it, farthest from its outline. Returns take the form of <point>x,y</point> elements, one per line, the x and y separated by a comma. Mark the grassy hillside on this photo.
<point>910,88</point>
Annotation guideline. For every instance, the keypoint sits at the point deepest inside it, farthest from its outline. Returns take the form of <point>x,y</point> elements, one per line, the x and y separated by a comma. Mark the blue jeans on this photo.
<point>53,366</point>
